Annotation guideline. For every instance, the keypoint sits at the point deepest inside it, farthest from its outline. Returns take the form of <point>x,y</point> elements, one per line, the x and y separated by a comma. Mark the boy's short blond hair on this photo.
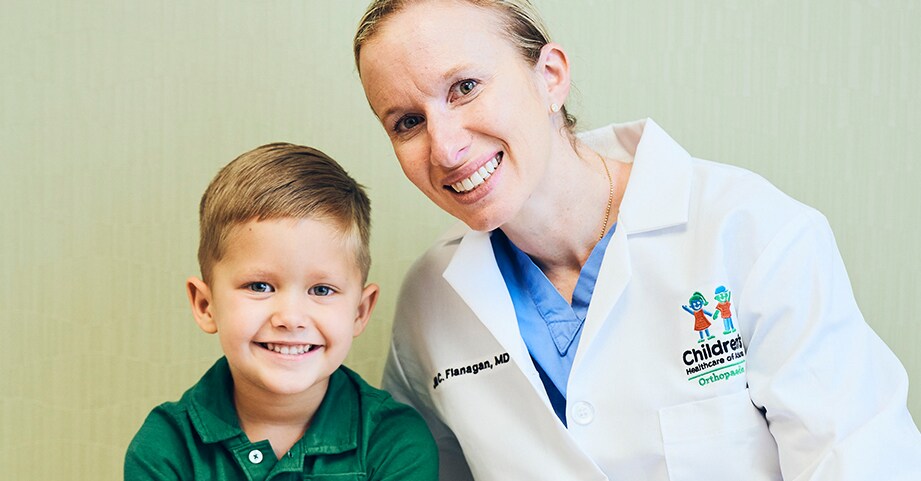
<point>282,180</point>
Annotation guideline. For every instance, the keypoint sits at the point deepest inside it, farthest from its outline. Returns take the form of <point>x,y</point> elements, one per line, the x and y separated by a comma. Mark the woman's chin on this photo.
<point>484,221</point>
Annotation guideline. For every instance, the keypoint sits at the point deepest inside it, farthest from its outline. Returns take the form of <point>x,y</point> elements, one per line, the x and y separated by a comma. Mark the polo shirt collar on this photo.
<point>333,429</point>
<point>211,406</point>
<point>335,426</point>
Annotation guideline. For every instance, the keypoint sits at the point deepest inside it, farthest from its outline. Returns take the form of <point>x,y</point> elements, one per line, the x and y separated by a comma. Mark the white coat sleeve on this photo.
<point>452,465</point>
<point>833,393</point>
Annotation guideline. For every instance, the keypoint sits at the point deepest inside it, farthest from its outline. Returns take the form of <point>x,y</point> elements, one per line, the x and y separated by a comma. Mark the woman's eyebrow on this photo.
<point>452,72</point>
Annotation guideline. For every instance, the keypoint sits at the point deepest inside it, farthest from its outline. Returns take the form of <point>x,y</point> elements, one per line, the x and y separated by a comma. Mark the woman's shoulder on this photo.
<point>733,190</point>
<point>436,258</point>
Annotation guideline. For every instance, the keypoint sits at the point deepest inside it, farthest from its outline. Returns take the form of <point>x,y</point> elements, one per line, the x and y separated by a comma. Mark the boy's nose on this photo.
<point>291,314</point>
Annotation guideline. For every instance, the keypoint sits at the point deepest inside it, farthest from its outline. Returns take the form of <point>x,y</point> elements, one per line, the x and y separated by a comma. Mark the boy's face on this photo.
<point>286,301</point>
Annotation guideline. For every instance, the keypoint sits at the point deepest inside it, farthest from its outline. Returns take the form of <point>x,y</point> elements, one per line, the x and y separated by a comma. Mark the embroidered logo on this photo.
<point>722,297</point>
<point>701,324</point>
<point>722,359</point>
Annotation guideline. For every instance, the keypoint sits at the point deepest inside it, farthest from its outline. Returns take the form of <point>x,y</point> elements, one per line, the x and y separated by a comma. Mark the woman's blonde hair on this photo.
<point>524,27</point>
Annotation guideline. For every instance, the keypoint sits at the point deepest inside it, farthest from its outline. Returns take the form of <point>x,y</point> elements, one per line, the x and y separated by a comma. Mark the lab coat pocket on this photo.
<point>721,438</point>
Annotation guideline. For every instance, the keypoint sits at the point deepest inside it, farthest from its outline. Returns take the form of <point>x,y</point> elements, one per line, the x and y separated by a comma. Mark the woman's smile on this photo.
<point>479,176</point>
<point>468,117</point>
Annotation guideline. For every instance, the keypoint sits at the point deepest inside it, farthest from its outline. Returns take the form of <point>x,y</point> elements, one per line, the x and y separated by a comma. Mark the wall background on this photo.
<point>115,115</point>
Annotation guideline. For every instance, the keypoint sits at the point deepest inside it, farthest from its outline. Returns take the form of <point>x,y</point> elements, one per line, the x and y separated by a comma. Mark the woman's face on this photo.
<point>467,115</point>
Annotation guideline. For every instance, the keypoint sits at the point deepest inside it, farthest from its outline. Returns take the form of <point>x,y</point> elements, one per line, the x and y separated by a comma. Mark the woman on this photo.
<point>548,339</point>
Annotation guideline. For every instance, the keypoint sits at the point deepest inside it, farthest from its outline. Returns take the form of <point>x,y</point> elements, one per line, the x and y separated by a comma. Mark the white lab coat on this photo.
<point>818,397</point>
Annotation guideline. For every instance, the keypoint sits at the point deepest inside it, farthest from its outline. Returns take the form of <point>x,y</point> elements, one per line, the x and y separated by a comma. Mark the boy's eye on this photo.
<point>260,287</point>
<point>321,291</point>
<point>407,123</point>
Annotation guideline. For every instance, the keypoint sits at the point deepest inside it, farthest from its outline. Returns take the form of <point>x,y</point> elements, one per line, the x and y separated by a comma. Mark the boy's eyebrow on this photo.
<point>255,272</point>
<point>322,274</point>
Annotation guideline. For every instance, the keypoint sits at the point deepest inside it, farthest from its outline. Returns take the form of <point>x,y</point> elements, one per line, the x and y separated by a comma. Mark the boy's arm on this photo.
<point>452,465</point>
<point>149,456</point>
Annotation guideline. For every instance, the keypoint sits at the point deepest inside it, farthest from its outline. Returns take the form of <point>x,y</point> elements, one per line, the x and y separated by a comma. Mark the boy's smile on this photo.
<point>286,300</point>
<point>289,350</point>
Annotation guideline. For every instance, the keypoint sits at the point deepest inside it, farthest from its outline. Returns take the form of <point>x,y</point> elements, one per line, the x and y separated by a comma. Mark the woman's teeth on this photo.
<point>286,349</point>
<point>479,176</point>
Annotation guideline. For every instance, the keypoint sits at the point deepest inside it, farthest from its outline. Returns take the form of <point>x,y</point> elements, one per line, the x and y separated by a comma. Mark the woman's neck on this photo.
<point>562,221</point>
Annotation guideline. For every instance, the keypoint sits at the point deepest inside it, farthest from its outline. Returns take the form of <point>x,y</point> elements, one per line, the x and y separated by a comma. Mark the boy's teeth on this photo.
<point>478,177</point>
<point>282,349</point>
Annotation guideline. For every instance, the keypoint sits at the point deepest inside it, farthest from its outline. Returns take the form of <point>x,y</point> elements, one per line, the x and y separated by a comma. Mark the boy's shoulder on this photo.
<point>371,404</point>
<point>164,442</point>
<point>158,449</point>
<point>392,437</point>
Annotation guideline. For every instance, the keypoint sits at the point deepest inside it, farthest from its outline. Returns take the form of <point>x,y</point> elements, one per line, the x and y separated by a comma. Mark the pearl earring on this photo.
<point>554,108</point>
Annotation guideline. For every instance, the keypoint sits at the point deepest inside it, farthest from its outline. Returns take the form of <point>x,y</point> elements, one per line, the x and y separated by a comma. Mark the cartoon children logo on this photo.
<point>701,324</point>
<point>722,298</point>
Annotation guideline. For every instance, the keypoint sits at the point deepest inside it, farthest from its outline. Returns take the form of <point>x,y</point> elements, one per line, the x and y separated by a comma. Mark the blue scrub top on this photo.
<point>549,325</point>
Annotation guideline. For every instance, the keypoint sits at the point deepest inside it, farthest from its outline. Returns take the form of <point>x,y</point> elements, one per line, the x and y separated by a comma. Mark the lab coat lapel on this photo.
<point>476,278</point>
<point>613,277</point>
<point>657,197</point>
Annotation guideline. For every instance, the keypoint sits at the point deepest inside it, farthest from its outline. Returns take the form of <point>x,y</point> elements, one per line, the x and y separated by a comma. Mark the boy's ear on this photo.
<point>200,299</point>
<point>553,67</point>
<point>365,306</point>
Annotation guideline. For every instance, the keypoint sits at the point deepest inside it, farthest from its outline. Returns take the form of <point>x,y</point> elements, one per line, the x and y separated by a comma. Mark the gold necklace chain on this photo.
<point>607,210</point>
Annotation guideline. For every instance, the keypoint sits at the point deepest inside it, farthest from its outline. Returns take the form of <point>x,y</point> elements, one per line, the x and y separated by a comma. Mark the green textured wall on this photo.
<point>114,116</point>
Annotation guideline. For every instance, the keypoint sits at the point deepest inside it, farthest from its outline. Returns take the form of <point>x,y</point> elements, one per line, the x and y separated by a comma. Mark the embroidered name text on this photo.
<point>472,368</point>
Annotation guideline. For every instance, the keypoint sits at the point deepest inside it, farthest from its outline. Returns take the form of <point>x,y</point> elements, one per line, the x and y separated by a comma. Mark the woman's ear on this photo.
<point>200,299</point>
<point>553,66</point>
<point>365,307</point>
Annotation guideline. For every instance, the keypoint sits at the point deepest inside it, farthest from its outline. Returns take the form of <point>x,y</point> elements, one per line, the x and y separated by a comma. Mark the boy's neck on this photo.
<point>281,419</point>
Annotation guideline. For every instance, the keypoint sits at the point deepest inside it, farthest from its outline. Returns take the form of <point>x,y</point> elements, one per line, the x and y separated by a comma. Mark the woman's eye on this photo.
<point>321,291</point>
<point>259,287</point>
<point>466,86</point>
<point>408,123</point>
<point>462,89</point>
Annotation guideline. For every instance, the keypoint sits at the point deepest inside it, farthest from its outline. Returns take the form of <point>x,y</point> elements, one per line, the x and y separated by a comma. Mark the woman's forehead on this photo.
<point>429,43</point>
<point>438,27</point>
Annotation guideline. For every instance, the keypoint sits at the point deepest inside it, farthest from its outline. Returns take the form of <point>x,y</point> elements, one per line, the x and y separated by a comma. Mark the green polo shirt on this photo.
<point>357,433</point>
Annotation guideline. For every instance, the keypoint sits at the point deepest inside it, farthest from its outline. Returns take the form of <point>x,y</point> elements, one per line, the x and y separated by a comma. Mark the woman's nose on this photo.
<point>449,141</point>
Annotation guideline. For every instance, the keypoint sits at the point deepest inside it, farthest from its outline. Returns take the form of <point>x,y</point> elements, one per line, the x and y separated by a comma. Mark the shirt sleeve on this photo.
<point>833,393</point>
<point>452,465</point>
<point>401,447</point>
<point>149,456</point>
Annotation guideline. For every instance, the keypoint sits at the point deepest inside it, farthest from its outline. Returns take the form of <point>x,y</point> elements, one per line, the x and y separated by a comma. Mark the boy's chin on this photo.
<point>284,384</point>
<point>299,387</point>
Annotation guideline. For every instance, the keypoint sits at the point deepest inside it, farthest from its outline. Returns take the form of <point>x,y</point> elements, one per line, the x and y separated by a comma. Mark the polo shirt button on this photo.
<point>255,456</point>
<point>583,412</point>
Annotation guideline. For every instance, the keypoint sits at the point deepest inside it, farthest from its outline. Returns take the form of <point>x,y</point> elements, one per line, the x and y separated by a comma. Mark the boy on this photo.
<point>284,259</point>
